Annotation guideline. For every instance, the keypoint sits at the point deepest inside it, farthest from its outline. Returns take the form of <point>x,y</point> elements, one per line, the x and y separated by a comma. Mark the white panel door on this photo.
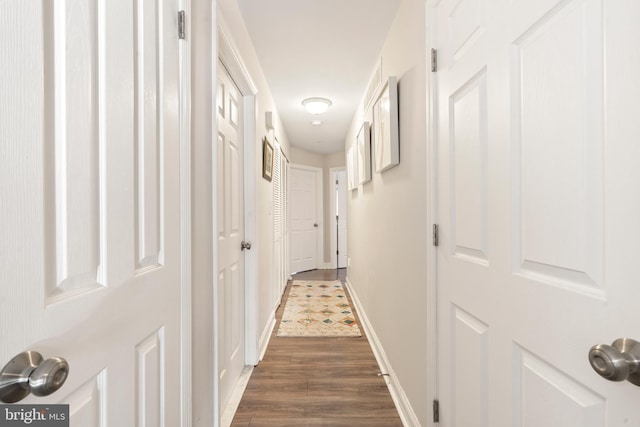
<point>304,219</point>
<point>231,329</point>
<point>538,209</point>
<point>90,263</point>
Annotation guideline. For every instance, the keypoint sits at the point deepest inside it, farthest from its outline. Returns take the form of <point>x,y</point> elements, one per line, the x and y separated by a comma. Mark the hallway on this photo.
<point>316,381</point>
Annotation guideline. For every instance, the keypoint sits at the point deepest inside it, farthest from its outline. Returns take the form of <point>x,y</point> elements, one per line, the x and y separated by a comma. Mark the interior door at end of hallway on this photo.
<point>90,257</point>
<point>304,219</point>
<point>230,187</point>
<point>529,180</point>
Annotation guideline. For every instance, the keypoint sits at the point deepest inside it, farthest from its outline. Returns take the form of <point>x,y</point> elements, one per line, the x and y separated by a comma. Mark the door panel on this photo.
<point>71,113</point>
<point>230,235</point>
<point>536,202</point>
<point>86,401</point>
<point>561,109</point>
<point>90,250</point>
<point>149,140</point>
<point>468,154</point>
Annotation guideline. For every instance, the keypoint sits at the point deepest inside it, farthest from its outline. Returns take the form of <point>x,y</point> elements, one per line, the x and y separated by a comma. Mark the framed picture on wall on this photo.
<point>364,153</point>
<point>352,168</point>
<point>267,160</point>
<point>386,139</point>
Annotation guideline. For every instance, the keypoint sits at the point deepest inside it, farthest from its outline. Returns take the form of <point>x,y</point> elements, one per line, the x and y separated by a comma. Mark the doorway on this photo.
<point>237,332</point>
<point>306,213</point>
<point>230,236</point>
<point>338,218</point>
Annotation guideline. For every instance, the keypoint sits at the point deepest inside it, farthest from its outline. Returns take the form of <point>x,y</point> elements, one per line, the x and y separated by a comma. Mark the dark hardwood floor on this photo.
<point>316,381</point>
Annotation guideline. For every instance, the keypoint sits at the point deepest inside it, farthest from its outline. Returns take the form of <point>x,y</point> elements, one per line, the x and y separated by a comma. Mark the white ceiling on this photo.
<point>318,48</point>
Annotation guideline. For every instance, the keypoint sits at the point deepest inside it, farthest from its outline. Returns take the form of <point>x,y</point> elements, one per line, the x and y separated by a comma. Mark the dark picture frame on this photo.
<point>267,160</point>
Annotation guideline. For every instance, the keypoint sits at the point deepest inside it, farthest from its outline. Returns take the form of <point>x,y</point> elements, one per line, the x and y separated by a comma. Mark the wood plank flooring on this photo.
<point>316,381</point>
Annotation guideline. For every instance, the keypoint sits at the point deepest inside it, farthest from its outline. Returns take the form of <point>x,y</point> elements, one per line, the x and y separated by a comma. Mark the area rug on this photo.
<point>318,309</point>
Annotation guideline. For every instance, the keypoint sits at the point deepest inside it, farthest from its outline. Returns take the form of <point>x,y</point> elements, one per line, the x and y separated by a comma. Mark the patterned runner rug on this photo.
<point>318,309</point>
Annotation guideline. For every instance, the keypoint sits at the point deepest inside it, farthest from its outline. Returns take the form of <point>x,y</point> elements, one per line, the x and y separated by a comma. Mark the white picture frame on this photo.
<point>352,168</point>
<point>364,153</point>
<point>386,138</point>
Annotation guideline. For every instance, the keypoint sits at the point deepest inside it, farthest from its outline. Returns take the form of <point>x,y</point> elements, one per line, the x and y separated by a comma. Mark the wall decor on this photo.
<point>352,168</point>
<point>385,127</point>
<point>364,153</point>
<point>267,159</point>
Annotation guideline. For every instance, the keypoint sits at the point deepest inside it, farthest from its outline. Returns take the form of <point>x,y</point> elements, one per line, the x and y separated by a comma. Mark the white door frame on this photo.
<point>332,201</point>
<point>230,57</point>
<point>319,213</point>
<point>432,207</point>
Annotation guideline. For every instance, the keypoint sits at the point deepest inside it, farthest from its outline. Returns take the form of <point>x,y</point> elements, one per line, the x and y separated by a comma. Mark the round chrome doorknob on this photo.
<point>28,373</point>
<point>49,376</point>
<point>609,362</point>
<point>617,362</point>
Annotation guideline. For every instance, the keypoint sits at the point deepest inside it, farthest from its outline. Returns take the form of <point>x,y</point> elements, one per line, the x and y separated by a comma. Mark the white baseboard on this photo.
<point>236,397</point>
<point>406,412</point>
<point>266,335</point>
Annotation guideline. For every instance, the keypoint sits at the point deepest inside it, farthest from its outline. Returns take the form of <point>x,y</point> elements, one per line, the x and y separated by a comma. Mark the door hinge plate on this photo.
<point>181,25</point>
<point>436,411</point>
<point>434,60</point>
<point>436,234</point>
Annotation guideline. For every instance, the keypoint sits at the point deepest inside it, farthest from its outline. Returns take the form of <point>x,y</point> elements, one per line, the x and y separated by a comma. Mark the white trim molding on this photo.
<point>405,410</point>
<point>186,226</point>
<point>265,337</point>
<point>433,387</point>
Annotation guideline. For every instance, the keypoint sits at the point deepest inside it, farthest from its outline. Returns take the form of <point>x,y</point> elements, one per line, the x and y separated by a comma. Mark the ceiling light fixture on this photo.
<point>316,122</point>
<point>316,105</point>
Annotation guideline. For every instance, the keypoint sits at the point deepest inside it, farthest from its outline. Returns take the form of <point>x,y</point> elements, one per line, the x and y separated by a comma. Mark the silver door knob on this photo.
<point>245,245</point>
<point>617,362</point>
<point>28,373</point>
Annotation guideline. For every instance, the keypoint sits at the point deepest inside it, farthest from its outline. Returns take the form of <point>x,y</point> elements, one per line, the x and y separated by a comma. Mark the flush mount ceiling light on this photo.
<point>316,122</point>
<point>316,105</point>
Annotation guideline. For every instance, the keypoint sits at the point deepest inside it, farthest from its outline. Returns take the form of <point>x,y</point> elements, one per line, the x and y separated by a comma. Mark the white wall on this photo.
<point>388,232</point>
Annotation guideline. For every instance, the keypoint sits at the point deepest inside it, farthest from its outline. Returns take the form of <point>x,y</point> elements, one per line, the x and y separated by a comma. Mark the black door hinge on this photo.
<point>436,411</point>
<point>435,235</point>
<point>181,24</point>
<point>434,60</point>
